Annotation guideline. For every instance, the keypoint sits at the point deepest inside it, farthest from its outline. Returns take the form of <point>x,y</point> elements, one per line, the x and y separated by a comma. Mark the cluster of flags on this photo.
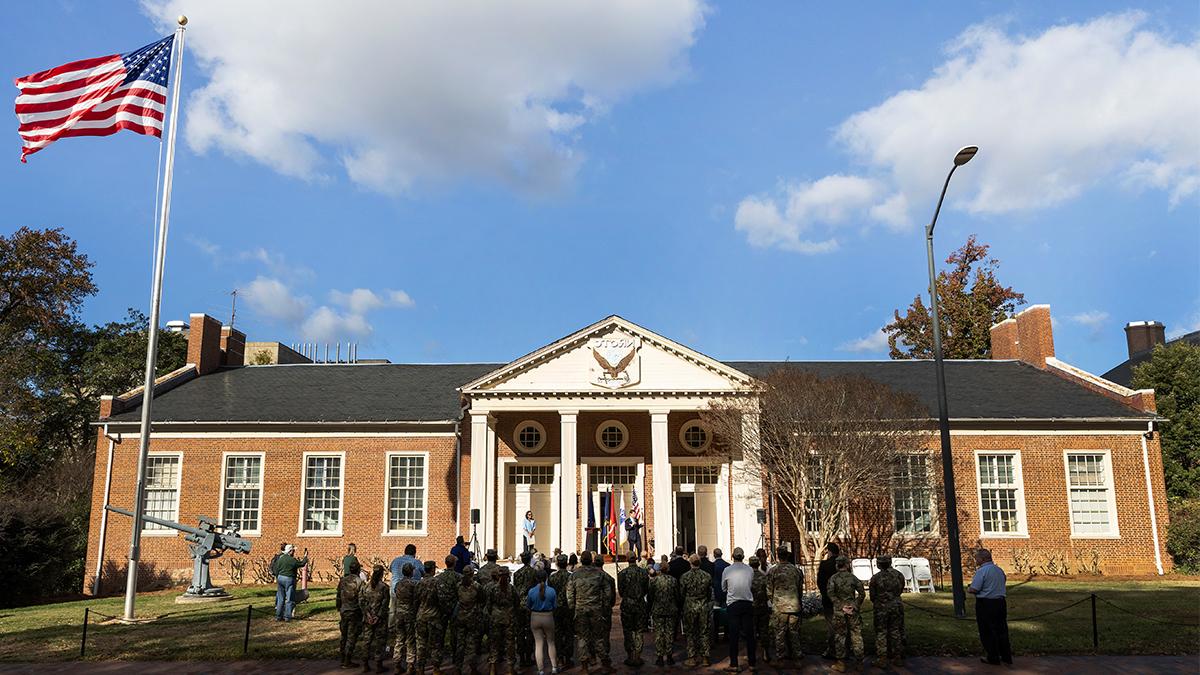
<point>611,530</point>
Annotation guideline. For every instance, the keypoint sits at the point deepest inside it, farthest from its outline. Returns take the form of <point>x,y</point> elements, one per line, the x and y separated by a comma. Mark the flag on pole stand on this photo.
<point>621,536</point>
<point>99,97</point>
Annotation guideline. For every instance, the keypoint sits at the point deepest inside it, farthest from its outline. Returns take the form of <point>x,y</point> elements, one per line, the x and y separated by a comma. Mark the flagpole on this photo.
<point>160,254</point>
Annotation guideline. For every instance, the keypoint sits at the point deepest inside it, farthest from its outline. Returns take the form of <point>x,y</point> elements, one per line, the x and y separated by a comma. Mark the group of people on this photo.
<point>558,611</point>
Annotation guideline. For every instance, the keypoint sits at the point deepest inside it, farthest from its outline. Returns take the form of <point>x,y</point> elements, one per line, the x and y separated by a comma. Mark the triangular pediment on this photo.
<point>612,355</point>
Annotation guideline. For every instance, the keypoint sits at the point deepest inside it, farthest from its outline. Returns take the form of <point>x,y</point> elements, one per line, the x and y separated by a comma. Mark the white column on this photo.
<point>481,455</point>
<point>493,479</point>
<point>747,491</point>
<point>568,521</point>
<point>664,522</point>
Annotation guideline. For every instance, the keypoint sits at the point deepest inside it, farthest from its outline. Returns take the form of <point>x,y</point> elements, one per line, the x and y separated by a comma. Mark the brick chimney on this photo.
<point>1142,336</point>
<point>1027,337</point>
<point>204,343</point>
<point>233,347</point>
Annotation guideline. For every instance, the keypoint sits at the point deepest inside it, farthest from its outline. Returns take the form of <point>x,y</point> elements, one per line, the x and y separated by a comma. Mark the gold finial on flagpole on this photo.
<point>182,20</point>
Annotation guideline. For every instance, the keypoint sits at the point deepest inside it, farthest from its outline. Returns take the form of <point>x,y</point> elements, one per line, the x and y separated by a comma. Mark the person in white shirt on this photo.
<point>736,582</point>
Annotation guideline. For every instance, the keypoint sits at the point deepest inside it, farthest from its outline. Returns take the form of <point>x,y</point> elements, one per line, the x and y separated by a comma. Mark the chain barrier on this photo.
<point>1147,618</point>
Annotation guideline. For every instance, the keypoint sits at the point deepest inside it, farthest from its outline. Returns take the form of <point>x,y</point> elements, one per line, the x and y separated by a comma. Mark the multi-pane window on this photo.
<point>406,492</point>
<point>912,496</point>
<point>531,474</point>
<point>612,475</point>
<point>612,437</point>
<point>243,491</point>
<point>688,474</point>
<point>999,494</point>
<point>815,500</point>
<point>1090,493</point>
<point>162,489</point>
<point>530,437</point>
<point>323,493</point>
<point>695,437</point>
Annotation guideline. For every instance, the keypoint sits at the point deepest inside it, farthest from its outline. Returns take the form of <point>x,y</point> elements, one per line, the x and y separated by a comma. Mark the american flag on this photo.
<point>95,97</point>
<point>635,509</point>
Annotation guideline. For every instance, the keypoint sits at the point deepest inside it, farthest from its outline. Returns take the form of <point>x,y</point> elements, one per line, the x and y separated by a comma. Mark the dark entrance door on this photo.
<point>685,521</point>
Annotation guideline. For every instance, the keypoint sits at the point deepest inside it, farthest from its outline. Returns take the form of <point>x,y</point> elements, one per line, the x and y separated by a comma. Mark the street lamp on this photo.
<point>956,580</point>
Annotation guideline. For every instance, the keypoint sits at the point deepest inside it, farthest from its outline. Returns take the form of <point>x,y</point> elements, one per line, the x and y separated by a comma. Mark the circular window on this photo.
<point>695,436</point>
<point>612,436</point>
<point>529,436</point>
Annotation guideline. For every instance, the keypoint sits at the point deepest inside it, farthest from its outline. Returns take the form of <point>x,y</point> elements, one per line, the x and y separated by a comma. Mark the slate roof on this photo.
<point>426,393</point>
<point>1122,373</point>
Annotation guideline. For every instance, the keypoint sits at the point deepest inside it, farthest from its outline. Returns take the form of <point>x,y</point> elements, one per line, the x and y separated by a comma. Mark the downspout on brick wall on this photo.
<point>1150,499</point>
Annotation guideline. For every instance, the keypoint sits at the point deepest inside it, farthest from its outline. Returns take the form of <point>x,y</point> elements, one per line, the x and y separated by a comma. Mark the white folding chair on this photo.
<point>862,569</point>
<point>922,574</point>
<point>904,566</point>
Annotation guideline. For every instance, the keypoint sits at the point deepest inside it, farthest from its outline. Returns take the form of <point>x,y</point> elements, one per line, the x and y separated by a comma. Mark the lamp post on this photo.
<point>956,580</point>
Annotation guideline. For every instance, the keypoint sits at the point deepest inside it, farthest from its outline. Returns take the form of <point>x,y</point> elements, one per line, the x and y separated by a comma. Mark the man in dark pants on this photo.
<point>826,569</point>
<point>991,608</point>
<point>736,583</point>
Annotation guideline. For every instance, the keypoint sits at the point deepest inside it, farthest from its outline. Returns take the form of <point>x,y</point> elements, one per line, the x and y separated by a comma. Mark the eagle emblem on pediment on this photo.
<point>617,361</point>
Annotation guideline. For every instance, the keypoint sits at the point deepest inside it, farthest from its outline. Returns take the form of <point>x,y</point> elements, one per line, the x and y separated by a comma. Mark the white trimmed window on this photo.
<point>242,502</point>
<point>407,494</point>
<point>695,436</point>
<point>612,436</point>
<point>1090,491</point>
<point>1001,502</point>
<point>322,493</point>
<point>816,502</point>
<point>162,489</point>
<point>912,495</point>
<point>531,474</point>
<point>695,474</point>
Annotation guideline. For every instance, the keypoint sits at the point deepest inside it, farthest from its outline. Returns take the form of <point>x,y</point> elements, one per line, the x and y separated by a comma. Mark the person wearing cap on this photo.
<point>664,613</point>
<point>737,583</point>
<point>285,568</point>
<point>846,593</point>
<point>487,573</point>
<point>785,585</point>
<point>885,589</point>
<point>697,591</point>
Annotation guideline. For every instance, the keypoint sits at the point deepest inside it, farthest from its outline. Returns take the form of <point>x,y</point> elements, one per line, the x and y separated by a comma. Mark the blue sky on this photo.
<point>748,178</point>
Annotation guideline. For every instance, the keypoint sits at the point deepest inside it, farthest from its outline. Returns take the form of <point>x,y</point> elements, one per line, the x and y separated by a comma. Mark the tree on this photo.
<point>823,445</point>
<point>971,299</point>
<point>1173,372</point>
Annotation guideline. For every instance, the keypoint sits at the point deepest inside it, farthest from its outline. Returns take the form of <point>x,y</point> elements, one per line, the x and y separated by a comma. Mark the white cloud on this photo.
<point>1091,319</point>
<point>821,206</point>
<point>273,299</point>
<point>399,92</point>
<point>276,301</point>
<point>872,343</point>
<point>1055,114</point>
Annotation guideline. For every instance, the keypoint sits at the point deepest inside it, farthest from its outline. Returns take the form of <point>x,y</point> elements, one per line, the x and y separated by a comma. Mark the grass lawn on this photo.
<point>52,632</point>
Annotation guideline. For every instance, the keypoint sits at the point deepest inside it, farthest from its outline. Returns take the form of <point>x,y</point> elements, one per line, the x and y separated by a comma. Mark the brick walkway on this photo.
<point>1057,665</point>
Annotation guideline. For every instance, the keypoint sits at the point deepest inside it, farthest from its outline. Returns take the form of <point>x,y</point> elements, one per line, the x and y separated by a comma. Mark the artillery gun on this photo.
<point>209,540</point>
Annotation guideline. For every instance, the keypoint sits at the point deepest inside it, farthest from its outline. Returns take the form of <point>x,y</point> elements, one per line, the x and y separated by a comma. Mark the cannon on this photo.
<point>208,540</point>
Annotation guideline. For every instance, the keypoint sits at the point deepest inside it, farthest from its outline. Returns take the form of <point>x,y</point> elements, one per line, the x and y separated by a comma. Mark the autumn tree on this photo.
<point>971,301</point>
<point>822,446</point>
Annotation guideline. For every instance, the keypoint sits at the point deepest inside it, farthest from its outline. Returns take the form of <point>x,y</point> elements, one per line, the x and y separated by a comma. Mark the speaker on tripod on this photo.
<point>475,554</point>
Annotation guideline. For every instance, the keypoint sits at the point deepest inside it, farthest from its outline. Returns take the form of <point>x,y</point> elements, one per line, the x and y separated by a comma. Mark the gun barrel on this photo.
<point>159,521</point>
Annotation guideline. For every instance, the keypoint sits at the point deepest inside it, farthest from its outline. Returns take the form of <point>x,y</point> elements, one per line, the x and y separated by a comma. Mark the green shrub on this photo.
<point>1183,536</point>
<point>42,547</point>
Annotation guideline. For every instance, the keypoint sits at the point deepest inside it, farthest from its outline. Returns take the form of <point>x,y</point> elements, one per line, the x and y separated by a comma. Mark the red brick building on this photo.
<point>1052,463</point>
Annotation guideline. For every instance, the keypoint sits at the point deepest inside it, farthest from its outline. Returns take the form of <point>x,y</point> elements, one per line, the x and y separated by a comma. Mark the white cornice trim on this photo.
<point>1096,380</point>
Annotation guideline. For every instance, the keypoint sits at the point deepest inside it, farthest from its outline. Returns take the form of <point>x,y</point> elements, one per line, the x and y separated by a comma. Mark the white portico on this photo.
<point>584,424</point>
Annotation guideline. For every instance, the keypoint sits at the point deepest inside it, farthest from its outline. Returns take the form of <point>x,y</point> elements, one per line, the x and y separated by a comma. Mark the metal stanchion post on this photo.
<point>246,639</point>
<point>83,641</point>
<point>1095,628</point>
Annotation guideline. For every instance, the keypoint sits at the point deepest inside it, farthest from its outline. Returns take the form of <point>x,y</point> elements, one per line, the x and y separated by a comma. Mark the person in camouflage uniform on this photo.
<point>502,601</point>
<point>762,610</point>
<point>598,561</point>
<point>587,597</point>
<point>374,601</point>
<point>403,622</point>
<point>785,584</point>
<point>885,589</point>
<point>664,611</point>
<point>429,626</point>
<point>469,622</point>
<point>564,624</point>
<point>486,573</point>
<point>633,583</point>
<point>446,587</point>
<point>523,580</point>
<point>846,593</point>
<point>349,613</point>
<point>696,588</point>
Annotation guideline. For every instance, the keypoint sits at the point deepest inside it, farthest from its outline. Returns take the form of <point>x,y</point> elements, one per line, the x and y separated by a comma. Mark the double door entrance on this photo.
<point>697,506</point>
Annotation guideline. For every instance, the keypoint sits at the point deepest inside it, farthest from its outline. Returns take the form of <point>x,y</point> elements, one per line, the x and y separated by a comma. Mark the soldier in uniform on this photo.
<point>885,589</point>
<point>349,613</point>
<point>446,587</point>
<point>523,580</point>
<point>429,626</point>
<point>502,601</point>
<point>564,625</point>
<point>403,622</point>
<point>762,611</point>
<point>485,574</point>
<point>846,593</point>
<point>785,583</point>
<point>664,612</point>
<point>468,623</point>
<point>587,597</point>
<point>611,595</point>
<point>696,588</point>
<point>634,583</point>
<point>374,601</point>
